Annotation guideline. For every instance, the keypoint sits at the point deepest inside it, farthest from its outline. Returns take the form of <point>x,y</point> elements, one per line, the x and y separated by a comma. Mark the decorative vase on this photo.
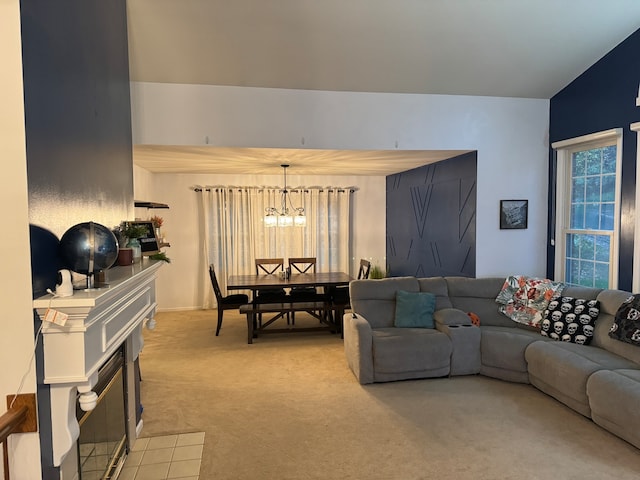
<point>134,245</point>
<point>125,256</point>
<point>158,234</point>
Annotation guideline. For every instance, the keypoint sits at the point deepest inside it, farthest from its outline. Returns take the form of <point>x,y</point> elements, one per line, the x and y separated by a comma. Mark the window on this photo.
<point>588,209</point>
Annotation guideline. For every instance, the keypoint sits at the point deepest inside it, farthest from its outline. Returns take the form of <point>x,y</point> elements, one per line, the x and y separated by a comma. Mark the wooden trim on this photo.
<point>10,422</point>
<point>28,400</point>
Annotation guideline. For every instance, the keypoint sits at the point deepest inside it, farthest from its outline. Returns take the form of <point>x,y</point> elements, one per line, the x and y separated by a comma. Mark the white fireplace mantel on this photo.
<point>100,321</point>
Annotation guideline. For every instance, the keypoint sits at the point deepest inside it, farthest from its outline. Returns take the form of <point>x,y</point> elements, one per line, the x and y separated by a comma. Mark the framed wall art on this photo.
<point>513,214</point>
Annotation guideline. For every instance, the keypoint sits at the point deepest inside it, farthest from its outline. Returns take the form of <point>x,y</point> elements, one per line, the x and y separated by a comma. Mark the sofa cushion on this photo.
<point>437,286</point>
<point>478,295</point>
<point>571,320</point>
<point>613,398</point>
<point>376,299</point>
<point>502,352</point>
<point>402,353</point>
<point>562,369</point>
<point>414,309</point>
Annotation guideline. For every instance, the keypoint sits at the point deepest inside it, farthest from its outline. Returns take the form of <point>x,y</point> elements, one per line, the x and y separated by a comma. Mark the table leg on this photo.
<point>250,322</point>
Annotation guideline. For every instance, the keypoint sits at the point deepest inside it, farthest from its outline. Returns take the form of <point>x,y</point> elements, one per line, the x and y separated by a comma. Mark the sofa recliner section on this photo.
<point>613,397</point>
<point>601,380</point>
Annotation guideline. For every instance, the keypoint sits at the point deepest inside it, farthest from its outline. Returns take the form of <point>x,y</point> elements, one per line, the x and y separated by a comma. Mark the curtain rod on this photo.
<point>209,188</point>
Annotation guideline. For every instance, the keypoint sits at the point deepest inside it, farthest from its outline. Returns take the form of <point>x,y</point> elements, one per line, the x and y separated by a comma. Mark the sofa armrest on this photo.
<point>451,316</point>
<point>358,346</point>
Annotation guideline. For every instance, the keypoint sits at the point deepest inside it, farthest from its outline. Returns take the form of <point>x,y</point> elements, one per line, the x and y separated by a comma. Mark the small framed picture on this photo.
<point>513,214</point>
<point>148,242</point>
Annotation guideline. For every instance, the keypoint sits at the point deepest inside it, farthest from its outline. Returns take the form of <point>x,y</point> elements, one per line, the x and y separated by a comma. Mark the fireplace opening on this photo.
<point>102,445</point>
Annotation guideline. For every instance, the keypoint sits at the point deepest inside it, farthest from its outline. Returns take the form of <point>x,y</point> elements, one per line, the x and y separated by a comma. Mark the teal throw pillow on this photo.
<point>415,309</point>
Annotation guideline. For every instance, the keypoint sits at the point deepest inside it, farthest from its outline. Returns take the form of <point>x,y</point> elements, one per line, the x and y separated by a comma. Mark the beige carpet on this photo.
<point>288,407</point>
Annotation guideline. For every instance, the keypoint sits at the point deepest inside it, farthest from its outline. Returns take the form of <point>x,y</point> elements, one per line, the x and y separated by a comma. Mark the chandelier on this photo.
<point>287,215</point>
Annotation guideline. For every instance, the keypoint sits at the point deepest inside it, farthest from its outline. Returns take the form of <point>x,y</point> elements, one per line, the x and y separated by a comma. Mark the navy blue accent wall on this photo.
<point>600,99</point>
<point>77,119</point>
<point>431,219</point>
<point>78,137</point>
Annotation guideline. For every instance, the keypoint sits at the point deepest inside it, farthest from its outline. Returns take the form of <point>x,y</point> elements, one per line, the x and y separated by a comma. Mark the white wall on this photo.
<point>510,135</point>
<point>178,282</point>
<point>16,321</point>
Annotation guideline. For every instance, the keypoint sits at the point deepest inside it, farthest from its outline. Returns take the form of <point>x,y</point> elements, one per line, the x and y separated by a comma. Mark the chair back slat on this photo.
<point>269,266</point>
<point>214,283</point>
<point>363,272</point>
<point>303,264</point>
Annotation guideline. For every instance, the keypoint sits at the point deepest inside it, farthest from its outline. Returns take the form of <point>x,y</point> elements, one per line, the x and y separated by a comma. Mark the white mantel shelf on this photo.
<point>100,321</point>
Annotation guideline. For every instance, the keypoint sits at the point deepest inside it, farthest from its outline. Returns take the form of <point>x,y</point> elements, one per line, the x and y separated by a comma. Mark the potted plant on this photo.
<point>132,232</point>
<point>160,256</point>
<point>157,223</point>
<point>377,272</point>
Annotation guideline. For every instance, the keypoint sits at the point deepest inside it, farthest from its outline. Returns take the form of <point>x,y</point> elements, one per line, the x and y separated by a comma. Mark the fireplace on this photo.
<point>102,444</point>
<point>98,347</point>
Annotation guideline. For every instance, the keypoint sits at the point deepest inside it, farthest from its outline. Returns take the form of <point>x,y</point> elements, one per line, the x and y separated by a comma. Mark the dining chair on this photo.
<point>303,265</point>
<point>228,302</point>
<point>340,300</point>
<point>306,294</point>
<point>269,266</point>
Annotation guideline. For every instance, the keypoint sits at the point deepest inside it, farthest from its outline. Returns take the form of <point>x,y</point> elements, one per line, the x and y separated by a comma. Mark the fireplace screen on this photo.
<point>103,440</point>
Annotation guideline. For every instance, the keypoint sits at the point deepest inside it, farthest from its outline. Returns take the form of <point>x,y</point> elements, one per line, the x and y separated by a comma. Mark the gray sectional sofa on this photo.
<point>601,380</point>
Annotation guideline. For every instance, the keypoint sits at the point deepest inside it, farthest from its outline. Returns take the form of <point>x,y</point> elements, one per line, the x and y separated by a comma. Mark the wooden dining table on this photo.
<point>324,280</point>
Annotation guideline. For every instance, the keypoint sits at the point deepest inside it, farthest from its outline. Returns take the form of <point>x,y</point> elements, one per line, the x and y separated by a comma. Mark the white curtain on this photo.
<point>233,235</point>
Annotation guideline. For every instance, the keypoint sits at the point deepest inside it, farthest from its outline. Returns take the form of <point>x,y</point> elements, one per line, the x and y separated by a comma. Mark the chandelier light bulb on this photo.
<point>282,217</point>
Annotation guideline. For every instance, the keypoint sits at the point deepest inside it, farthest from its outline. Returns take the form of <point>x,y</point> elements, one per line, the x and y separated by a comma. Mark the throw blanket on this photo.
<point>525,299</point>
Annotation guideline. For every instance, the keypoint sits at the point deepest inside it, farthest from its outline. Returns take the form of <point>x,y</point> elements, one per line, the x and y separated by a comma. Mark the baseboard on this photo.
<point>178,309</point>
<point>139,428</point>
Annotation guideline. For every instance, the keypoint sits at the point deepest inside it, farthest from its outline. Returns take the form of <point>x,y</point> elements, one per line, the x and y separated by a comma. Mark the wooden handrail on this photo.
<point>9,423</point>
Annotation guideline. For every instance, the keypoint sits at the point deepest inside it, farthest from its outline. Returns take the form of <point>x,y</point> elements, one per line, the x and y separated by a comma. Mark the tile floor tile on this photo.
<point>184,468</point>
<point>159,455</point>
<point>128,473</point>
<point>141,444</point>
<point>134,458</point>
<point>162,442</point>
<point>196,438</point>
<point>192,452</point>
<point>156,471</point>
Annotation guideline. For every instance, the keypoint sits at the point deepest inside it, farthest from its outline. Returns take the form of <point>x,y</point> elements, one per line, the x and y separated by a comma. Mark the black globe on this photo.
<point>88,247</point>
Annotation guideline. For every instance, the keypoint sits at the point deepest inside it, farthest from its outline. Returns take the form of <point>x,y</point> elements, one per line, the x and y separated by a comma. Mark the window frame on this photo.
<point>635,127</point>
<point>564,151</point>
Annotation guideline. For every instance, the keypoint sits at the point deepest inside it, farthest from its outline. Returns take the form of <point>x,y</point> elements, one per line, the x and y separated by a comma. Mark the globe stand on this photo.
<point>94,283</point>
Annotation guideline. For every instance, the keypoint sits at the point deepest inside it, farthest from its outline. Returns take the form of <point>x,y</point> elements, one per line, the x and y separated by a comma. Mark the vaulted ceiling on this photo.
<point>503,48</point>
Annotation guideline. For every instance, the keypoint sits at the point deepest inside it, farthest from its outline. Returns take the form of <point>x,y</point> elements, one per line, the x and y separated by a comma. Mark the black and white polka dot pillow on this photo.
<point>570,319</point>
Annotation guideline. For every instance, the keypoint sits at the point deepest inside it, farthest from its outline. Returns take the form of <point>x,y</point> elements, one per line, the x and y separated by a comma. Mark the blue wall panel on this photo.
<point>78,138</point>
<point>431,215</point>
<point>600,99</point>
<point>77,119</point>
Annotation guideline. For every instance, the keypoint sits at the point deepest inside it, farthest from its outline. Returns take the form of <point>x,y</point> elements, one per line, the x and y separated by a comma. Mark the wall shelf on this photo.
<point>141,204</point>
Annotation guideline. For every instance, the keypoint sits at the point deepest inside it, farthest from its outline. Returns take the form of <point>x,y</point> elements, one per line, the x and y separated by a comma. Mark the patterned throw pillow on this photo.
<point>530,299</point>
<point>570,320</point>
<point>626,324</point>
